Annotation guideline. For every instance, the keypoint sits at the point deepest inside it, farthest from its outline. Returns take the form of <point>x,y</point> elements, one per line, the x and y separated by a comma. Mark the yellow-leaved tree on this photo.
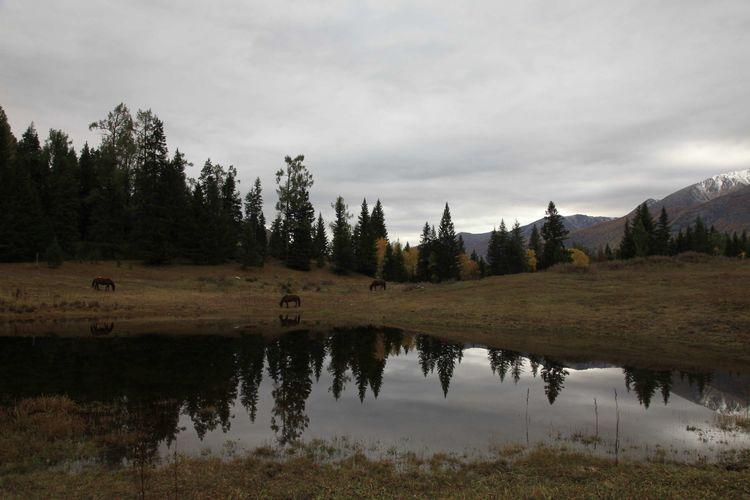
<point>469,268</point>
<point>531,260</point>
<point>380,245</point>
<point>411,256</point>
<point>579,258</point>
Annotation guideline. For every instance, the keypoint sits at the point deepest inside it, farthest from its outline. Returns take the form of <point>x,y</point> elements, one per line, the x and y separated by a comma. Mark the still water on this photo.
<point>385,390</point>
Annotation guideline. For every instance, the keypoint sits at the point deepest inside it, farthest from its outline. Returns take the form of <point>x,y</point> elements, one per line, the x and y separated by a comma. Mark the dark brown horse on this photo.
<point>107,283</point>
<point>377,283</point>
<point>288,298</point>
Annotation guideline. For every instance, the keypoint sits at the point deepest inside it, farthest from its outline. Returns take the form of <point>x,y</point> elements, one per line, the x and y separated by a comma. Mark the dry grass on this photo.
<point>733,422</point>
<point>683,311</point>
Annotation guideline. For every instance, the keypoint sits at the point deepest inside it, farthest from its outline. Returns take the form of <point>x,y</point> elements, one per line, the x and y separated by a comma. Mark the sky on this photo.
<point>496,107</point>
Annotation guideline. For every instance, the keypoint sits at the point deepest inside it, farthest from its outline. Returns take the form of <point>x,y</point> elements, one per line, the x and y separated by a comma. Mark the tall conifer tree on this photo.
<point>365,250</point>
<point>342,255</point>
<point>320,242</point>
<point>377,220</point>
<point>63,163</point>
<point>554,234</point>
<point>448,266</point>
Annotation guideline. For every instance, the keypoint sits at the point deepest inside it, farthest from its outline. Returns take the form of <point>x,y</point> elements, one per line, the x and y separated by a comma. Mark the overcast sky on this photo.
<point>496,107</point>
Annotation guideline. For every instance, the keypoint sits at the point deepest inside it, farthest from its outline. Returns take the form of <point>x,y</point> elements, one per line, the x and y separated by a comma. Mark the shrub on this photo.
<point>578,258</point>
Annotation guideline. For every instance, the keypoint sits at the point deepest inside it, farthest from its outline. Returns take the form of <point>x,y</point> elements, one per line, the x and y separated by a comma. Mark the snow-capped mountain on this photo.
<point>721,184</point>
<point>722,200</point>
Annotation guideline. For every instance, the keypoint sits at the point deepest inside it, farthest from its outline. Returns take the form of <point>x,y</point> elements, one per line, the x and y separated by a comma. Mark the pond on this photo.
<point>382,389</point>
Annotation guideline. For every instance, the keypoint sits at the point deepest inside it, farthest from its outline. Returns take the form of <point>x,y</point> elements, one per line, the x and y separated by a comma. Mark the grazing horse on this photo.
<point>377,283</point>
<point>286,299</point>
<point>101,329</point>
<point>105,282</point>
<point>287,320</point>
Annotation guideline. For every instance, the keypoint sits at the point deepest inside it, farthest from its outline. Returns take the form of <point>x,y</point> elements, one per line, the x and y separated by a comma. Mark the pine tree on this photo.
<point>254,227</point>
<point>701,241</point>
<point>482,267</point>
<point>87,184</point>
<point>535,241</point>
<point>447,250</point>
<point>662,233</point>
<point>7,165</point>
<point>640,238</point>
<point>497,252</point>
<point>33,197</point>
<point>23,226</point>
<point>64,176</point>
<point>216,219</point>
<point>293,184</point>
<point>648,244</point>
<point>627,245</point>
<point>174,192</point>
<point>554,234</point>
<point>231,215</point>
<point>301,249</point>
<point>151,221</point>
<point>426,246</point>
<point>365,252</point>
<point>276,247</point>
<point>377,221</point>
<point>111,213</point>
<point>608,252</point>
<point>342,255</point>
<point>320,242</point>
<point>399,264</point>
<point>516,253</point>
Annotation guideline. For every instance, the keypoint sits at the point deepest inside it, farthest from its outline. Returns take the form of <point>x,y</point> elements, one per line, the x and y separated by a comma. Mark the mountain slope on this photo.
<point>704,199</point>
<point>478,241</point>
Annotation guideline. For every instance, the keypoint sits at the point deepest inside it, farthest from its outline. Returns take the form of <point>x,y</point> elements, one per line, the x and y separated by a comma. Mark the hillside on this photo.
<point>478,241</point>
<point>722,201</point>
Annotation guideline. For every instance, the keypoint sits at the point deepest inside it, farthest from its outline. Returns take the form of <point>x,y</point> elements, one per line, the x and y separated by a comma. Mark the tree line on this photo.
<point>129,198</point>
<point>645,236</point>
<point>204,377</point>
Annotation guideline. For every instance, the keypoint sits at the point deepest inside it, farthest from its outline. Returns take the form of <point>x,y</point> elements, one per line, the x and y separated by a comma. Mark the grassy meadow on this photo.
<point>688,311</point>
<point>680,311</point>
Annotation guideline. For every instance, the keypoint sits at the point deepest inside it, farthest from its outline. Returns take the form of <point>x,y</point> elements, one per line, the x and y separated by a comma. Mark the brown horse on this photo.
<point>377,283</point>
<point>286,299</point>
<point>107,283</point>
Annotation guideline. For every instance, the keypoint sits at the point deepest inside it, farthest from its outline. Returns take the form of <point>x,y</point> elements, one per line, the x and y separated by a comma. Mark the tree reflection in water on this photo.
<point>146,383</point>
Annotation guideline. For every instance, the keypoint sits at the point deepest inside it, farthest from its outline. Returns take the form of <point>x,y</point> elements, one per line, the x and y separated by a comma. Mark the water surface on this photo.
<point>383,389</point>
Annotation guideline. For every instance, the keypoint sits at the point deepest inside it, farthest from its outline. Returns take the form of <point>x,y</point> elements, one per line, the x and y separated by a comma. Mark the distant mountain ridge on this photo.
<point>722,201</point>
<point>478,241</point>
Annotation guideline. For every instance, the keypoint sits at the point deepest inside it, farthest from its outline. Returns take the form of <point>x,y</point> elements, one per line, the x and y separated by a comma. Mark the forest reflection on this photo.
<point>149,382</point>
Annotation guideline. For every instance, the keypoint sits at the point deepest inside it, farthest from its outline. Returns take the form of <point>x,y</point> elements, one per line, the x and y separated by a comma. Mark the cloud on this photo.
<point>496,107</point>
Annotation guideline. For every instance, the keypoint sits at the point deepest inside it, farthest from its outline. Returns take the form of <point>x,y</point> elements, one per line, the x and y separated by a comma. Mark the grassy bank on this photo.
<point>52,447</point>
<point>663,311</point>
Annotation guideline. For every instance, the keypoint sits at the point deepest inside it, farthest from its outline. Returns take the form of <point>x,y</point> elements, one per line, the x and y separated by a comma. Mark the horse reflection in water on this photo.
<point>287,320</point>
<point>98,329</point>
